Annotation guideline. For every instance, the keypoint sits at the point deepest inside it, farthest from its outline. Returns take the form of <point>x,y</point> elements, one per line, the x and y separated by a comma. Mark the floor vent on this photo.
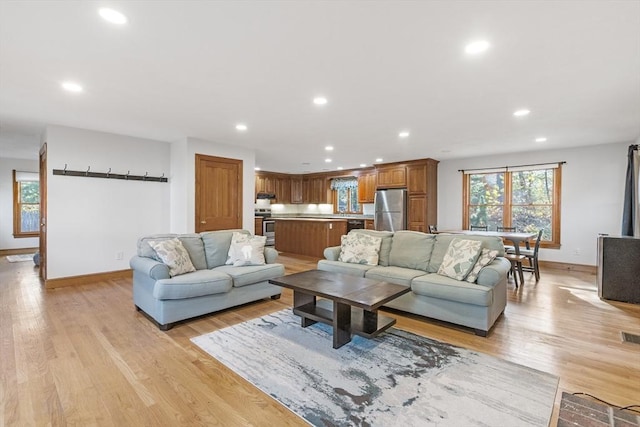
<point>627,337</point>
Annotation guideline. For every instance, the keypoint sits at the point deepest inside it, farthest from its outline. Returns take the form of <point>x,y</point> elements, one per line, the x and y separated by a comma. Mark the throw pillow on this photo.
<point>485,258</point>
<point>460,258</point>
<point>359,248</point>
<point>246,250</point>
<point>174,255</point>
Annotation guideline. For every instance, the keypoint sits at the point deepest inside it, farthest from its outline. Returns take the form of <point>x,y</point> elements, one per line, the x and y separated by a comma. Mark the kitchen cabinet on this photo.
<point>283,189</point>
<point>258,226</point>
<point>265,183</point>
<point>318,234</point>
<point>315,190</point>
<point>369,224</point>
<point>296,189</point>
<point>422,189</point>
<point>391,176</point>
<point>366,187</point>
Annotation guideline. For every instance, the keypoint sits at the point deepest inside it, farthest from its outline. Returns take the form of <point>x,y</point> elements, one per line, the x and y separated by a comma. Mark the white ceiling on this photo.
<point>196,68</point>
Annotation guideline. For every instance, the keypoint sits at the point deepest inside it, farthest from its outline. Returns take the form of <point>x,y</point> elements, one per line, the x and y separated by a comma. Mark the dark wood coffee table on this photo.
<point>350,303</point>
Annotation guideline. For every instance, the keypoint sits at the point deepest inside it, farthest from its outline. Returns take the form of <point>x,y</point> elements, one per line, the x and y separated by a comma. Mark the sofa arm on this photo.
<point>492,274</point>
<point>152,268</point>
<point>332,253</point>
<point>270,255</point>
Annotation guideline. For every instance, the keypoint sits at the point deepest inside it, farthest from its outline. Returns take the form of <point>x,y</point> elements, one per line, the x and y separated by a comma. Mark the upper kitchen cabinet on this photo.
<point>296,189</point>
<point>283,190</point>
<point>366,187</point>
<point>391,176</point>
<point>265,183</point>
<point>315,189</point>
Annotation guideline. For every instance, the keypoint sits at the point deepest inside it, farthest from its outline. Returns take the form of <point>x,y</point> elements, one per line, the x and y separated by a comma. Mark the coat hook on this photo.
<point>146,174</point>
<point>64,172</point>
<point>109,173</point>
<point>87,172</point>
<point>127,177</point>
<point>162,175</point>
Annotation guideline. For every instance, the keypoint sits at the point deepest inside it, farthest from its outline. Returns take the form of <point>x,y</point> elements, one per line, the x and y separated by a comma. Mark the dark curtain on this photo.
<point>630,212</point>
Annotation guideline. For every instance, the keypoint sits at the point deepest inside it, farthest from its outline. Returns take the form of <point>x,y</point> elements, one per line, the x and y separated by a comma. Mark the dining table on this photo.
<point>512,236</point>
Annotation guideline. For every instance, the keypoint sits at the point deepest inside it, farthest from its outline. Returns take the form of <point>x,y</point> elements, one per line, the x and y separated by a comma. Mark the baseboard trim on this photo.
<point>591,269</point>
<point>20,251</point>
<point>87,279</point>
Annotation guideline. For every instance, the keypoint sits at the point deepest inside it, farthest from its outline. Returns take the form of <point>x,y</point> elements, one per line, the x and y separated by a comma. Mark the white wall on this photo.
<point>91,220</point>
<point>183,165</point>
<point>592,195</point>
<point>7,241</point>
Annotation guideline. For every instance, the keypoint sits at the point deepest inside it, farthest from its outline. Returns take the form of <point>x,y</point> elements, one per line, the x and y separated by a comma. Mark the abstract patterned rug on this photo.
<point>587,412</point>
<point>399,378</point>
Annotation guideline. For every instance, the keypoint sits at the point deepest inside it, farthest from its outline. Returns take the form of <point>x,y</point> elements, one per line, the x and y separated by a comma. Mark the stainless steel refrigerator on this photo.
<point>390,210</point>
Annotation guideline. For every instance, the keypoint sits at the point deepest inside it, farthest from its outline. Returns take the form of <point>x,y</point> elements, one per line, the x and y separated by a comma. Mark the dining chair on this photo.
<point>532,257</point>
<point>433,229</point>
<point>507,248</point>
<point>516,267</point>
<point>479,228</point>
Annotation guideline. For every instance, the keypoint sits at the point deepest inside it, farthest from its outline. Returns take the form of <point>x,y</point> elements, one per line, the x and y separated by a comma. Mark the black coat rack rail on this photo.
<point>109,175</point>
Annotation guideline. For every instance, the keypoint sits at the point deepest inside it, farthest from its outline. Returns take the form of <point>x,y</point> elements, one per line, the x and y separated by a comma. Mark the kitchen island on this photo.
<point>308,236</point>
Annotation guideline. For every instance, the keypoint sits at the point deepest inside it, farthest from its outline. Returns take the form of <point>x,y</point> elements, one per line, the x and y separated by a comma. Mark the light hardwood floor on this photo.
<point>84,356</point>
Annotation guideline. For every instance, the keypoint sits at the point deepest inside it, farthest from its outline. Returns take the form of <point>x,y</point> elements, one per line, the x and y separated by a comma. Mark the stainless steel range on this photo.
<point>268,225</point>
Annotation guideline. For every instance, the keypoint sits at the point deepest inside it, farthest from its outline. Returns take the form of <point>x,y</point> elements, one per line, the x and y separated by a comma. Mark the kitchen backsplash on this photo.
<point>321,209</point>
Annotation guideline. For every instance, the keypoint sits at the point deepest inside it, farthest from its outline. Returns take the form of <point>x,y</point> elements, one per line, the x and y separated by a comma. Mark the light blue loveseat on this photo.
<point>412,259</point>
<point>212,287</point>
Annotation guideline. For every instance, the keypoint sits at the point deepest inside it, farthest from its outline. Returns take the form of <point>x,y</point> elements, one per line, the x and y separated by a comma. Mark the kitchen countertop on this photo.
<point>335,216</point>
<point>309,219</point>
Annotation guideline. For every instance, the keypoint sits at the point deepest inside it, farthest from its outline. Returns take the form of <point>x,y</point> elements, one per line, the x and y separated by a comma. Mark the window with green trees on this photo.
<point>345,191</point>
<point>527,198</point>
<point>26,204</point>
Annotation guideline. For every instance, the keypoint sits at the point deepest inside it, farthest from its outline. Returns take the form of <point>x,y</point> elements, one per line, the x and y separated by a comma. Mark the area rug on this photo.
<point>588,412</point>
<point>20,258</point>
<point>398,378</point>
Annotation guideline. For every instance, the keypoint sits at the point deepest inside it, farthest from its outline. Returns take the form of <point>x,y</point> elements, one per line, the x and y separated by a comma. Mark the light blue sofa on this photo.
<point>412,259</point>
<point>212,287</point>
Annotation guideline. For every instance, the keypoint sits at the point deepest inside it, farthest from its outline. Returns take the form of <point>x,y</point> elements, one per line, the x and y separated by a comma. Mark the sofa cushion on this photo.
<point>216,246</point>
<point>190,285</point>
<point>250,274</point>
<point>486,256</point>
<point>193,244</point>
<point>173,255</point>
<point>397,275</point>
<point>443,287</point>
<point>442,244</point>
<point>343,267</point>
<point>411,249</point>
<point>460,258</point>
<point>145,250</point>
<point>359,248</point>
<point>385,245</point>
<point>246,250</point>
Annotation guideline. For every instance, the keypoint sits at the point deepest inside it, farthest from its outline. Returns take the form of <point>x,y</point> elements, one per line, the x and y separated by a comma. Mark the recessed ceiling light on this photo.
<point>241,127</point>
<point>72,87</point>
<point>320,100</point>
<point>404,134</point>
<point>541,139</point>
<point>327,160</point>
<point>378,160</point>
<point>112,16</point>
<point>477,47</point>
<point>521,113</point>
<point>328,148</point>
<point>257,168</point>
<point>363,165</point>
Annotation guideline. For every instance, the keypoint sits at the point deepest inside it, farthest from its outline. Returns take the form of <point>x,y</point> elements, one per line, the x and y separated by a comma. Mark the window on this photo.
<point>345,195</point>
<point>527,198</point>
<point>26,204</point>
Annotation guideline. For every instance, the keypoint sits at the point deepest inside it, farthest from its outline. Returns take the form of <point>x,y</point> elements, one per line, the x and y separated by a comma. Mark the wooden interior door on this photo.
<point>43,212</point>
<point>218,193</point>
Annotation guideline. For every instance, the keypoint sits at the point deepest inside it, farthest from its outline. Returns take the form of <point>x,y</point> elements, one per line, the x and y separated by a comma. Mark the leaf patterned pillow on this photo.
<point>485,258</point>
<point>174,255</point>
<point>246,250</point>
<point>460,258</point>
<point>359,248</point>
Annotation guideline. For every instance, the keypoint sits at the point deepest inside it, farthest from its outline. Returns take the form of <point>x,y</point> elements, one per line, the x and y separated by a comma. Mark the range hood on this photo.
<point>267,196</point>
